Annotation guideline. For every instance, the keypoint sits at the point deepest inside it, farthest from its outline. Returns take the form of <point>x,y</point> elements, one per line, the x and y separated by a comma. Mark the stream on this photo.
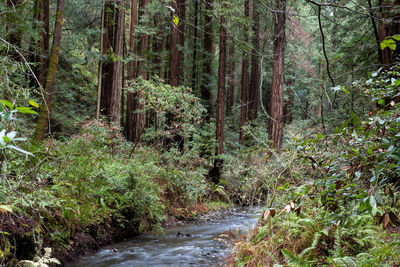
<point>189,245</point>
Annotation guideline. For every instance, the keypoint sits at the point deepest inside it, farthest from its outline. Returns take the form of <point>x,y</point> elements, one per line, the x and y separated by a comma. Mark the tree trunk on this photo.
<point>139,117</point>
<point>243,98</point>
<point>276,120</point>
<point>100,66</point>
<point>215,173</point>
<point>44,38</point>
<point>255,66</point>
<point>13,29</point>
<point>133,21</point>
<point>205,87</point>
<point>115,107</point>
<point>389,26</point>
<point>288,107</point>
<point>376,34</point>
<point>177,42</point>
<point>231,80</point>
<point>195,47</point>
<point>51,75</point>
<point>107,66</point>
<point>130,96</point>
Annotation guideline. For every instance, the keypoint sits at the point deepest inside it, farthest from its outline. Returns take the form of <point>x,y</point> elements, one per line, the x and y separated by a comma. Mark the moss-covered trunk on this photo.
<point>51,75</point>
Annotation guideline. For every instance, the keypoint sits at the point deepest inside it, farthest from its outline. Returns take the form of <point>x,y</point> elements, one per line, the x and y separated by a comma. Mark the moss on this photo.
<point>218,205</point>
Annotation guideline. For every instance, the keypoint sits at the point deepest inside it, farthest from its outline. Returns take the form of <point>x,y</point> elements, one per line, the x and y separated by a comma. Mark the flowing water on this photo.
<point>195,244</point>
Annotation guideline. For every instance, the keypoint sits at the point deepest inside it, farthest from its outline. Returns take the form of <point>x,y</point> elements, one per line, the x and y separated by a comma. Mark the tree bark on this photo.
<point>215,173</point>
<point>205,87</point>
<point>43,120</point>
<point>133,21</point>
<point>132,66</point>
<point>243,98</point>
<point>376,34</point>
<point>388,26</point>
<point>139,118</point>
<point>107,66</point>
<point>195,47</point>
<point>177,42</point>
<point>276,120</point>
<point>115,105</point>
<point>231,80</point>
<point>44,38</point>
<point>255,66</point>
<point>13,28</point>
<point>100,67</point>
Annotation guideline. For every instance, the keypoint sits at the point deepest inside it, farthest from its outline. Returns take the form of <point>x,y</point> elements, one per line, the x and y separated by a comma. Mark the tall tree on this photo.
<point>388,26</point>
<point>216,171</point>
<point>205,87</point>
<point>14,19</point>
<point>115,101</point>
<point>231,79</point>
<point>43,120</point>
<point>44,16</point>
<point>130,97</point>
<point>195,43</point>
<point>255,65</point>
<point>107,66</point>
<point>177,42</point>
<point>139,118</point>
<point>276,120</point>
<point>243,96</point>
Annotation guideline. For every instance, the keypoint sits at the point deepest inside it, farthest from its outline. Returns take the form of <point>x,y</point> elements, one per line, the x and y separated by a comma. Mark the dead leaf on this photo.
<point>269,213</point>
<point>386,220</point>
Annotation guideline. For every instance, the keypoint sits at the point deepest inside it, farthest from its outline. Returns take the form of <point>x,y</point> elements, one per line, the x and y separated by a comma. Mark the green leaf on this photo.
<point>25,110</point>
<point>33,103</point>
<point>176,20</point>
<point>7,103</point>
<point>396,37</point>
<point>388,42</point>
<point>363,206</point>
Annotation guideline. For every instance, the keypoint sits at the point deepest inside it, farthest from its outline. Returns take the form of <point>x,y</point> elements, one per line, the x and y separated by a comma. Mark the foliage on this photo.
<point>346,211</point>
<point>166,102</point>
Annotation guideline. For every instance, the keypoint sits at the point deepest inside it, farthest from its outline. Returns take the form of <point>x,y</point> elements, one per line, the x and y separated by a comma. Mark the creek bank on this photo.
<point>26,232</point>
<point>203,242</point>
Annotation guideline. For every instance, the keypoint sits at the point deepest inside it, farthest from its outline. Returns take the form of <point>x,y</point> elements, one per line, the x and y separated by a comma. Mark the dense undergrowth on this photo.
<point>92,185</point>
<point>339,203</point>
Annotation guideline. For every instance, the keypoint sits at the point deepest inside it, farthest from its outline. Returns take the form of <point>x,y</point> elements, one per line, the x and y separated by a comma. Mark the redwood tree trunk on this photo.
<point>243,97</point>
<point>205,87</point>
<point>255,66</point>
<point>215,173</point>
<point>177,42</point>
<point>133,21</point>
<point>231,80</point>
<point>108,66</point>
<point>115,107</point>
<point>51,75</point>
<point>195,46</point>
<point>13,29</point>
<point>276,120</point>
<point>139,118</point>
<point>44,38</point>
<point>130,96</point>
<point>388,26</point>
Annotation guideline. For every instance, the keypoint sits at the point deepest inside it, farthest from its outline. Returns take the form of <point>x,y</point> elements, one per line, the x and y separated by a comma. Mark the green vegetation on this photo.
<point>340,206</point>
<point>121,117</point>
